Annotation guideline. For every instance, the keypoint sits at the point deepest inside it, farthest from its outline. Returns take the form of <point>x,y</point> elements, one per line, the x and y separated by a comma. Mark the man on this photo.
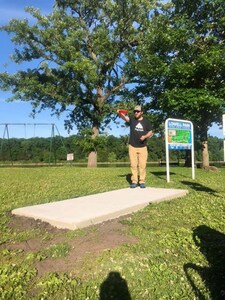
<point>140,131</point>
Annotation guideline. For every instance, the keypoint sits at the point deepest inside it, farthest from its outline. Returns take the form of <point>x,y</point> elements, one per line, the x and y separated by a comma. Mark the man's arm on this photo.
<point>147,135</point>
<point>123,116</point>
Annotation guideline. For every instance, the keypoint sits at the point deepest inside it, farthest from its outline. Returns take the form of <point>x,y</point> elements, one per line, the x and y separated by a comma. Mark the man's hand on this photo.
<point>123,114</point>
<point>122,111</point>
<point>148,135</point>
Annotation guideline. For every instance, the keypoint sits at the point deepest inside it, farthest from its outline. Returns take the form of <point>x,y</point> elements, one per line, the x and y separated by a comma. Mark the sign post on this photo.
<point>224,140</point>
<point>179,136</point>
<point>224,150</point>
<point>224,124</point>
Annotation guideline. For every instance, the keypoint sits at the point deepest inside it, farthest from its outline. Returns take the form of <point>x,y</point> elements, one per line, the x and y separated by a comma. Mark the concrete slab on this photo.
<point>92,209</point>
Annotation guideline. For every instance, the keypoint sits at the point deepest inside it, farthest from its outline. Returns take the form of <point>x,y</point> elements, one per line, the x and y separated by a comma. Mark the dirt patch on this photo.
<point>96,238</point>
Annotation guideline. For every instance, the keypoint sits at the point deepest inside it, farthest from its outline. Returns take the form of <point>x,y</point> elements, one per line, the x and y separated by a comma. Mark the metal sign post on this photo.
<point>224,140</point>
<point>179,136</point>
<point>224,150</point>
<point>224,124</point>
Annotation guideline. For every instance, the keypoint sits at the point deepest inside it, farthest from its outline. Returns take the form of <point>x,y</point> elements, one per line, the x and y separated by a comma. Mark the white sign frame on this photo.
<point>177,124</point>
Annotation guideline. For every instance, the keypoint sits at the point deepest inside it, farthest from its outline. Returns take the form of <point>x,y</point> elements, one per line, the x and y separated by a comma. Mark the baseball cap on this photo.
<point>138,107</point>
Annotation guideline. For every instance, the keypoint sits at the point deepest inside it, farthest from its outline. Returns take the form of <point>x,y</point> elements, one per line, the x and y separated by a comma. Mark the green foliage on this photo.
<point>109,148</point>
<point>88,143</point>
<point>216,151</point>
<point>181,64</point>
<point>32,149</point>
<point>56,286</point>
<point>15,281</point>
<point>112,157</point>
<point>55,251</point>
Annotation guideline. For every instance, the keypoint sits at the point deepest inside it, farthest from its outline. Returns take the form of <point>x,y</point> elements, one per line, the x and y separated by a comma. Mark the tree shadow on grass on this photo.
<point>161,174</point>
<point>128,177</point>
<point>212,245</point>
<point>199,187</point>
<point>114,287</point>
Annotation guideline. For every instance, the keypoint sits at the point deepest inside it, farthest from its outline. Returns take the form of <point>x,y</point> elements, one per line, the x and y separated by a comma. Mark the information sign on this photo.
<point>179,136</point>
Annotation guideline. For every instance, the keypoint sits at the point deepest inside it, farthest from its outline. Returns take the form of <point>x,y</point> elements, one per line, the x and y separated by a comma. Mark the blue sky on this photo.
<point>19,112</point>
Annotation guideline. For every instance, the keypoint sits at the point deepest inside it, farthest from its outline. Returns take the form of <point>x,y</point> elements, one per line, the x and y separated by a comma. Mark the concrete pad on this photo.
<point>92,209</point>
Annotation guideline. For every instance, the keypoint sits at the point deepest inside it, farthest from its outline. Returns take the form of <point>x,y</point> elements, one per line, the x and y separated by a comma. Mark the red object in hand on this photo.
<point>123,111</point>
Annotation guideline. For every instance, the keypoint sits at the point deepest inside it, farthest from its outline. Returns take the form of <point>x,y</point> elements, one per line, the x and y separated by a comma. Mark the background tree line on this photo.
<point>109,149</point>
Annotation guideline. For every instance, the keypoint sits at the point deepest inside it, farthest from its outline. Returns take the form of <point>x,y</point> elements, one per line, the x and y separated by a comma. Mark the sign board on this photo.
<point>179,136</point>
<point>70,157</point>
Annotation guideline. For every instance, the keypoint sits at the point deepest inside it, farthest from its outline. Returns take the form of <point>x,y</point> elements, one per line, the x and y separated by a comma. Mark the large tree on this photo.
<point>81,50</point>
<point>182,64</point>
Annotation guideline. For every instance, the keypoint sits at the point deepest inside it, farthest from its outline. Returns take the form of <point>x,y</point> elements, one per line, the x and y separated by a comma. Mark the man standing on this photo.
<point>140,131</point>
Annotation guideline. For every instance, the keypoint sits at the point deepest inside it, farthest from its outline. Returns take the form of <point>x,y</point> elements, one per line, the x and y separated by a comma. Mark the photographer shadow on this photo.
<point>114,287</point>
<point>212,245</point>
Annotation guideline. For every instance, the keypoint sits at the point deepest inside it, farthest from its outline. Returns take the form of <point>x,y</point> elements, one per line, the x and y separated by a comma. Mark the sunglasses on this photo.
<point>136,111</point>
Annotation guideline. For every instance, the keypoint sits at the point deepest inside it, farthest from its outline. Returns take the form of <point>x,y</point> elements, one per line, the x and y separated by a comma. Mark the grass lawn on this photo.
<point>179,251</point>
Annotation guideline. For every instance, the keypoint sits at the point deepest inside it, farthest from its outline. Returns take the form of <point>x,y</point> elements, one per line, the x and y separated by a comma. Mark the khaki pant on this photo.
<point>138,160</point>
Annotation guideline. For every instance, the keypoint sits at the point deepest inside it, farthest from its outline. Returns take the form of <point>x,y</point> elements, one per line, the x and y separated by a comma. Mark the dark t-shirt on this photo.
<point>137,129</point>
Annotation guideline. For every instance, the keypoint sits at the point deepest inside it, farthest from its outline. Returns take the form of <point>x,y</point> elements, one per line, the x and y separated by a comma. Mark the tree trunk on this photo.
<point>92,157</point>
<point>187,159</point>
<point>205,155</point>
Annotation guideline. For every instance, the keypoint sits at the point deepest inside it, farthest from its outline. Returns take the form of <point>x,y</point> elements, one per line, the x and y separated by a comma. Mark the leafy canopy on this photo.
<point>182,62</point>
<point>80,52</point>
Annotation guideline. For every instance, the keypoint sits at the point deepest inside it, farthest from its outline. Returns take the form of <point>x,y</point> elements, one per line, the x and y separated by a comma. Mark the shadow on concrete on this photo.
<point>199,187</point>
<point>211,243</point>
<point>114,287</point>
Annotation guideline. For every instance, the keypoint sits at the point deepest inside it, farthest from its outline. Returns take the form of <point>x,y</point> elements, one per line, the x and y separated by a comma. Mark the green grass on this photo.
<point>180,248</point>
